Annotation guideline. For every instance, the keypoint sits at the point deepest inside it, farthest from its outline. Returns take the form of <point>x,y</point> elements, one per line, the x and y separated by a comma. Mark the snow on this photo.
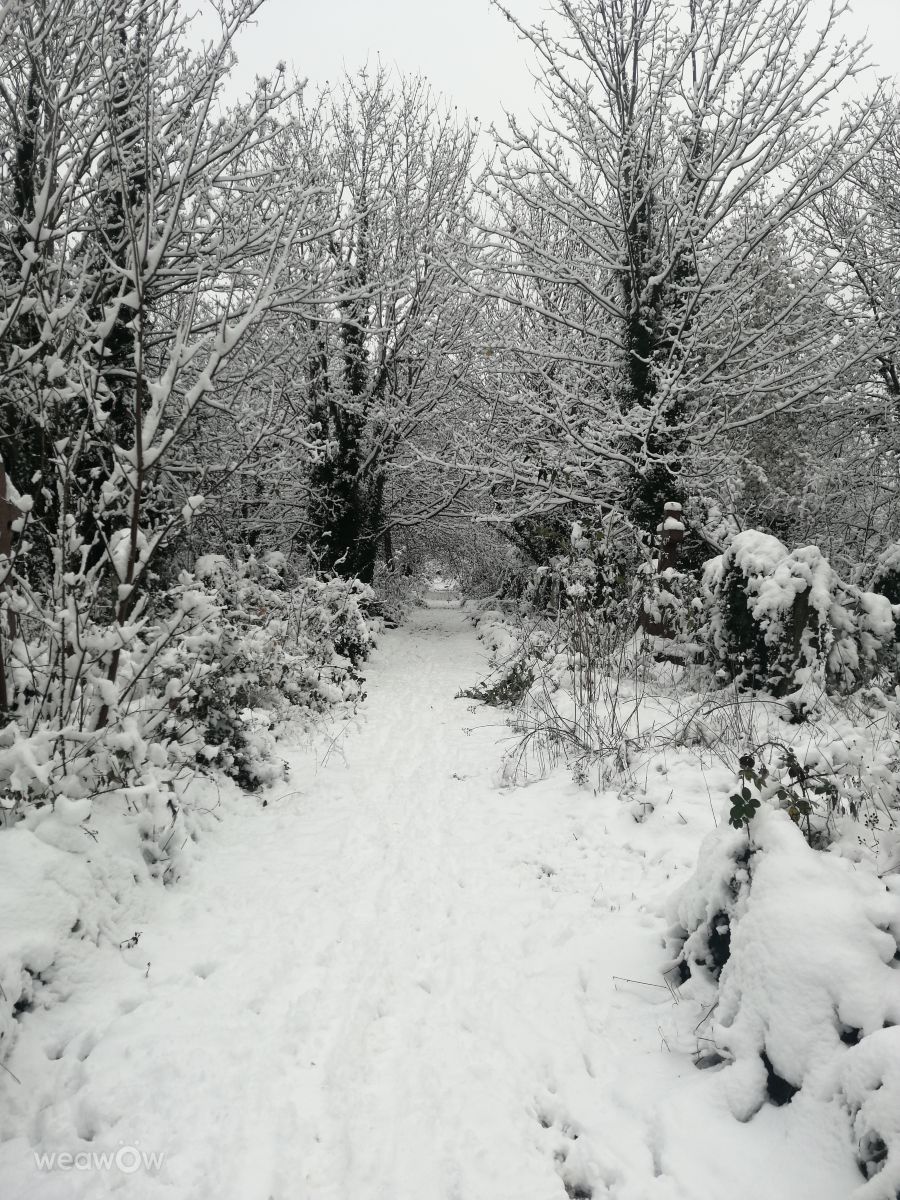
<point>812,958</point>
<point>397,980</point>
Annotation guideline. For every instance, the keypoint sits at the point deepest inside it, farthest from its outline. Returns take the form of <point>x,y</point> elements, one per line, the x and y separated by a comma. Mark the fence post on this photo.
<point>671,535</point>
<point>670,532</point>
<point>8,513</point>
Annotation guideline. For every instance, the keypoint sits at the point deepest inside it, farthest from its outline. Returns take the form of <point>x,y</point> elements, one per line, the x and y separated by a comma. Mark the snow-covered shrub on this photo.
<point>67,872</point>
<point>886,574</point>
<point>808,994</point>
<point>670,598</point>
<point>276,650</point>
<point>396,592</point>
<point>575,668</point>
<point>835,772</point>
<point>702,913</point>
<point>516,650</point>
<point>204,677</point>
<point>779,620</point>
<point>811,968</point>
<point>506,686</point>
<point>575,608</point>
<point>593,575</point>
<point>868,1083</point>
<point>885,581</point>
<point>74,732</point>
<point>335,611</point>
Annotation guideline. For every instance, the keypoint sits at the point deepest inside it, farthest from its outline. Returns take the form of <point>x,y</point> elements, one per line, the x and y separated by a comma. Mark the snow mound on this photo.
<point>809,991</point>
<point>41,898</point>
<point>69,876</point>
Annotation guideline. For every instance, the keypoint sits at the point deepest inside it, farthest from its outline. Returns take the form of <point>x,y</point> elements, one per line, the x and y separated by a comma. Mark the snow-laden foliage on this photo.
<point>227,657</point>
<point>275,652</point>
<point>781,620</point>
<point>805,947</point>
<point>885,577</point>
<point>204,678</point>
<point>397,592</point>
<point>702,913</point>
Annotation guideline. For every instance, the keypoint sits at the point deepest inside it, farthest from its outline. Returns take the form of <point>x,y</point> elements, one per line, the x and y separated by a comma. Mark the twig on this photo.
<point>9,1072</point>
<point>642,982</point>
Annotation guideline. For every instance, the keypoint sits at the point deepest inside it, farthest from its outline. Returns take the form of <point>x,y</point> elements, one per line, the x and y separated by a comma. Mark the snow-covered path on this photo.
<point>397,981</point>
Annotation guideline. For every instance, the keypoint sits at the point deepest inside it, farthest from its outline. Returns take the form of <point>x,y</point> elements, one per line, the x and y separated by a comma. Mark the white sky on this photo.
<point>466,48</point>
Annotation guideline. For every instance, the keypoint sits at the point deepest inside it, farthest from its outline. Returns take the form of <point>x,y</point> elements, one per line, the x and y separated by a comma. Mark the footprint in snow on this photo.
<point>571,1158</point>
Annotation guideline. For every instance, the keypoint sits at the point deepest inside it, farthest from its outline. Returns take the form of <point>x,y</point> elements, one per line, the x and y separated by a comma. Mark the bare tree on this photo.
<point>390,354</point>
<point>655,296</point>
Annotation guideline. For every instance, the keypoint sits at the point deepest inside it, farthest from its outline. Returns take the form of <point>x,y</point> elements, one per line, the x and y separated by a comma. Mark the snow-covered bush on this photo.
<point>202,678</point>
<point>703,912</point>
<point>72,731</point>
<point>885,577</point>
<point>396,592</point>
<point>593,575</point>
<point>868,1083</point>
<point>574,669</point>
<point>670,598</point>
<point>277,650</point>
<point>337,611</point>
<point>885,581</point>
<point>779,620</point>
<point>515,651</point>
<point>796,955</point>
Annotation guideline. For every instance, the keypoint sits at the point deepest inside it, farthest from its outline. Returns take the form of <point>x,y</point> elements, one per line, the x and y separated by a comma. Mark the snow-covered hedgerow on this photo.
<point>778,620</point>
<point>806,948</point>
<point>203,678</point>
<point>277,650</point>
<point>105,782</point>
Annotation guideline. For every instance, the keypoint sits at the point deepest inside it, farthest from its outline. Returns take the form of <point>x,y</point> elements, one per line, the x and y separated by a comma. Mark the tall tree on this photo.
<point>641,234</point>
<point>391,351</point>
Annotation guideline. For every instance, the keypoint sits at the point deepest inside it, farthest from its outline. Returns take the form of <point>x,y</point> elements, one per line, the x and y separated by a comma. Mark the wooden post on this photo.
<point>8,513</point>
<point>670,532</point>
<point>671,535</point>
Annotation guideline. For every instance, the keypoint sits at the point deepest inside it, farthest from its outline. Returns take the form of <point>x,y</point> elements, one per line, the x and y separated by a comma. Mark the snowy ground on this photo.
<point>401,981</point>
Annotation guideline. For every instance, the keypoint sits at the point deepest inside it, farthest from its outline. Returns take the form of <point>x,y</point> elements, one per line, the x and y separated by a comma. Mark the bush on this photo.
<point>396,592</point>
<point>278,651</point>
<point>777,621</point>
<point>593,576</point>
<point>806,995</point>
<point>886,574</point>
<point>204,679</point>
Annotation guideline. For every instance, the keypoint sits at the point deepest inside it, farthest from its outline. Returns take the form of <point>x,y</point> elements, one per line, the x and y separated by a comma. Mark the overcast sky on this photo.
<point>466,48</point>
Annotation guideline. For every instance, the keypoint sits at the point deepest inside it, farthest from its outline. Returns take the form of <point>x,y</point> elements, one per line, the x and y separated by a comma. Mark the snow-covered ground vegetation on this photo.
<point>784,680</point>
<point>449,613</point>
